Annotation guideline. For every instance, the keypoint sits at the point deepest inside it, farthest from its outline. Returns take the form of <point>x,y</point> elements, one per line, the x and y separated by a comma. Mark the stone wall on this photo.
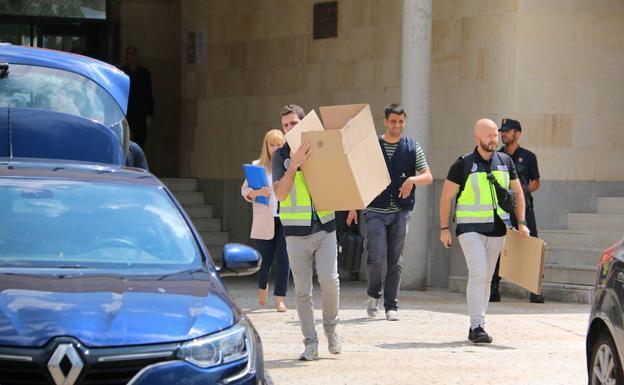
<point>261,56</point>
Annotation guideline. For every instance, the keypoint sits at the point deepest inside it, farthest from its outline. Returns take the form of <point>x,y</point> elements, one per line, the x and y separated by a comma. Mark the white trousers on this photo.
<point>481,253</point>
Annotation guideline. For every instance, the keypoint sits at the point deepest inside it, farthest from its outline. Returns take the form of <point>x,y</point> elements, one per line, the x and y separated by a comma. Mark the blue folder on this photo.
<point>257,178</point>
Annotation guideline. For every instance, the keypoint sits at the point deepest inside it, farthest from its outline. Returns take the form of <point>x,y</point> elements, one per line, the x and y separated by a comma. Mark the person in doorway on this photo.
<point>140,99</point>
<point>387,216</point>
<point>310,241</point>
<point>136,156</point>
<point>267,228</point>
<point>481,226</point>
<point>528,173</point>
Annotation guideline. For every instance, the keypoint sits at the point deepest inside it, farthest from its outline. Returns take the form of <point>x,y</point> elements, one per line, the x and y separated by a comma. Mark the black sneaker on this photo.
<point>478,336</point>
<point>495,295</point>
<point>536,298</point>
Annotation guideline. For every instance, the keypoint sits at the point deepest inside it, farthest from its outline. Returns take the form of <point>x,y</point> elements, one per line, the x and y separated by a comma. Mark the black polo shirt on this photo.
<point>526,167</point>
<point>457,175</point>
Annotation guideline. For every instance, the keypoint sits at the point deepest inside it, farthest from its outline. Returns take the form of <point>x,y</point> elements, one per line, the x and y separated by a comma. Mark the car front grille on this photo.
<point>101,366</point>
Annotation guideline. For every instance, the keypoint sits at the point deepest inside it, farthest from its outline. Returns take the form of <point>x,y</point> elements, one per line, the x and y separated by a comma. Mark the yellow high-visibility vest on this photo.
<point>296,209</point>
<point>478,200</point>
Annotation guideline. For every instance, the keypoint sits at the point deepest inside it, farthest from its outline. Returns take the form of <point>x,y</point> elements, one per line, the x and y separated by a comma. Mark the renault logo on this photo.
<point>65,365</point>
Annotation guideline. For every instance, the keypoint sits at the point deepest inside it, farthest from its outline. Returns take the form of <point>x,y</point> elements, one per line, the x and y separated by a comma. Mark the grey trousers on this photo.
<point>481,254</point>
<point>303,253</point>
<point>385,239</point>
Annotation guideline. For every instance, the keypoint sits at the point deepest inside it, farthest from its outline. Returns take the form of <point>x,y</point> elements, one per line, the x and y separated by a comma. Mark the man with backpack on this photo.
<point>480,182</point>
<point>387,216</point>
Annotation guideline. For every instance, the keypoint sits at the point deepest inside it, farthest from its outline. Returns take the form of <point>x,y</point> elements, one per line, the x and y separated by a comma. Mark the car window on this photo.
<point>63,223</point>
<point>60,91</point>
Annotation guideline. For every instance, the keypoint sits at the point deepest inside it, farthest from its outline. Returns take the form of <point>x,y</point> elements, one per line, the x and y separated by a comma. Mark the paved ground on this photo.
<point>533,344</point>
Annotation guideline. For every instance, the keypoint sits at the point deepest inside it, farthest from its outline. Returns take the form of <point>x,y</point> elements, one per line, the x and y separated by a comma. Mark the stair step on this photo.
<point>579,238</point>
<point>190,198</point>
<point>571,256</point>
<point>180,184</point>
<point>611,206</point>
<point>199,211</point>
<point>606,222</point>
<point>574,275</point>
<point>215,238</point>
<point>207,224</point>
<point>556,292</point>
<point>216,253</point>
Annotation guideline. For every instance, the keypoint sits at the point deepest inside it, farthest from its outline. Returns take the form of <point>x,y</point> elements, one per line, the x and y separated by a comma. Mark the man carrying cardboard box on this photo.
<point>481,227</point>
<point>387,216</point>
<point>310,238</point>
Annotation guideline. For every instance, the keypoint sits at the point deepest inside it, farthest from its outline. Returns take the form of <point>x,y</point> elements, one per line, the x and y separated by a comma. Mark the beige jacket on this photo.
<point>263,224</point>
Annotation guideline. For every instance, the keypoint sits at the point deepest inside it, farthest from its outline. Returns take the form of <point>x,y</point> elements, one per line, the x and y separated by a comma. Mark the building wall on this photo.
<point>553,65</point>
<point>260,55</point>
<point>153,27</point>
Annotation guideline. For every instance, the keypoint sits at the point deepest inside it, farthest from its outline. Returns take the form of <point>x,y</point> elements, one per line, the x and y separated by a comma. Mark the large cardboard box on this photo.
<point>522,261</point>
<point>346,169</point>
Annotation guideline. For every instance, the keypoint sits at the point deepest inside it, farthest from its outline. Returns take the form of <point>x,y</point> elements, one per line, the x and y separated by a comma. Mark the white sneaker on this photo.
<point>334,343</point>
<point>310,353</point>
<point>392,315</point>
<point>372,306</point>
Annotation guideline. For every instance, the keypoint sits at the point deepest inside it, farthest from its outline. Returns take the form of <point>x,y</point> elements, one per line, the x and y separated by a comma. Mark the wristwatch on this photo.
<point>522,223</point>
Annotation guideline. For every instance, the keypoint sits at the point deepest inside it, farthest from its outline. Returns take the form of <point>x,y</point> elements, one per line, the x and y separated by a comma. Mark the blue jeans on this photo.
<point>274,249</point>
<point>385,238</point>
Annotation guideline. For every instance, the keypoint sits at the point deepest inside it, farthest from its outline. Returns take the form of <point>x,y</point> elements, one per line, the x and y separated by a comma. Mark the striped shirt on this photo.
<point>421,164</point>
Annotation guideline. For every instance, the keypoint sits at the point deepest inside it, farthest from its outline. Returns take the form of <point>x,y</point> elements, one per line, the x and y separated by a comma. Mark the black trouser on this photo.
<point>530,220</point>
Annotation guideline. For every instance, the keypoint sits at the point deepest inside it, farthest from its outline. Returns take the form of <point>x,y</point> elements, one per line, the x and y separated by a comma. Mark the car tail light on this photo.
<point>607,255</point>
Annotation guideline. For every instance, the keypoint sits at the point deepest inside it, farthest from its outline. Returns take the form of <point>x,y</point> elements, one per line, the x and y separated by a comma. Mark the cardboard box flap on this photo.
<point>311,122</point>
<point>522,261</point>
<point>336,117</point>
<point>327,167</point>
<point>358,130</point>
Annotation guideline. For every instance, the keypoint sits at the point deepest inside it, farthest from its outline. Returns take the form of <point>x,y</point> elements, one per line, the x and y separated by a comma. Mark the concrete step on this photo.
<point>199,211</point>
<point>611,206</point>
<point>605,222</point>
<point>180,184</point>
<point>556,292</point>
<point>207,224</point>
<point>579,239</point>
<point>216,253</point>
<point>573,275</point>
<point>190,198</point>
<point>572,256</point>
<point>215,238</point>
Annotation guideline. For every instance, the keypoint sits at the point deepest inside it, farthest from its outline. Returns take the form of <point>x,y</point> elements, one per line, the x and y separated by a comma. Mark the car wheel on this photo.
<point>606,368</point>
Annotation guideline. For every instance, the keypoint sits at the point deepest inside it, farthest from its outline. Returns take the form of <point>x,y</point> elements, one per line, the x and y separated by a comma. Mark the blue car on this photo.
<point>103,277</point>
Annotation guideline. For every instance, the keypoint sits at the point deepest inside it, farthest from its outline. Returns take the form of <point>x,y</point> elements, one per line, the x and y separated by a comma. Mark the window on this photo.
<point>68,223</point>
<point>60,91</point>
<point>84,9</point>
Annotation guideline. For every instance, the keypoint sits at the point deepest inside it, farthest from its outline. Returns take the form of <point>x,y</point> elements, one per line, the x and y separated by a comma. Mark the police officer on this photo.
<point>528,173</point>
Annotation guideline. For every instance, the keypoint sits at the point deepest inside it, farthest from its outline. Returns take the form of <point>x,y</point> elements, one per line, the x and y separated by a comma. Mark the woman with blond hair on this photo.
<point>266,227</point>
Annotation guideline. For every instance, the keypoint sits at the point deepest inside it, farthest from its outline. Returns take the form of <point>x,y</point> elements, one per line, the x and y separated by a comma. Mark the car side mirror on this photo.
<point>239,260</point>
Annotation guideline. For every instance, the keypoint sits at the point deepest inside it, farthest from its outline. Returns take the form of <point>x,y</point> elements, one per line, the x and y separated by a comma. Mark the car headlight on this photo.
<point>220,348</point>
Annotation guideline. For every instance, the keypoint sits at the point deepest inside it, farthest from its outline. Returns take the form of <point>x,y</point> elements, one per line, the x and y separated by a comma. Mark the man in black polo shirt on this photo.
<point>528,173</point>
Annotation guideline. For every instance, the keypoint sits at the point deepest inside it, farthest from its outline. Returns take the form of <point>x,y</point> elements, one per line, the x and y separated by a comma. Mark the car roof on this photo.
<point>110,78</point>
<point>78,171</point>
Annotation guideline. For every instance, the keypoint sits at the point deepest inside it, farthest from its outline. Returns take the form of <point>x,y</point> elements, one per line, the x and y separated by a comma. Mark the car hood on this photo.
<point>108,310</point>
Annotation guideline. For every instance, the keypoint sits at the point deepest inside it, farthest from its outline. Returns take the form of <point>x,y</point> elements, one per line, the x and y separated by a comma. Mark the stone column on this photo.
<point>416,68</point>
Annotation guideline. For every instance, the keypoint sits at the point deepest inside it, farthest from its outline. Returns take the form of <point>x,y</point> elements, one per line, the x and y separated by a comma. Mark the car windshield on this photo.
<point>77,224</point>
<point>60,91</point>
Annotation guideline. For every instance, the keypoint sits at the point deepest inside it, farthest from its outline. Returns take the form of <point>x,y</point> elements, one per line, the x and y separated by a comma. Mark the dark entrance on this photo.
<point>78,26</point>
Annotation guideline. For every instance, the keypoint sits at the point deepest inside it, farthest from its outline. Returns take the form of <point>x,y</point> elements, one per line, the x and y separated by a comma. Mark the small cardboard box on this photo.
<point>522,261</point>
<point>346,169</point>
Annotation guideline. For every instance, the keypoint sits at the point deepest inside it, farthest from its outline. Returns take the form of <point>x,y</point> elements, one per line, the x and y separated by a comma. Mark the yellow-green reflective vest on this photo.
<point>296,209</point>
<point>478,200</point>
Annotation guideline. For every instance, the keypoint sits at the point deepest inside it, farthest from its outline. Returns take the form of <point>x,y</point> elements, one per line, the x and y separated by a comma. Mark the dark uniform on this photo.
<point>527,169</point>
<point>140,102</point>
